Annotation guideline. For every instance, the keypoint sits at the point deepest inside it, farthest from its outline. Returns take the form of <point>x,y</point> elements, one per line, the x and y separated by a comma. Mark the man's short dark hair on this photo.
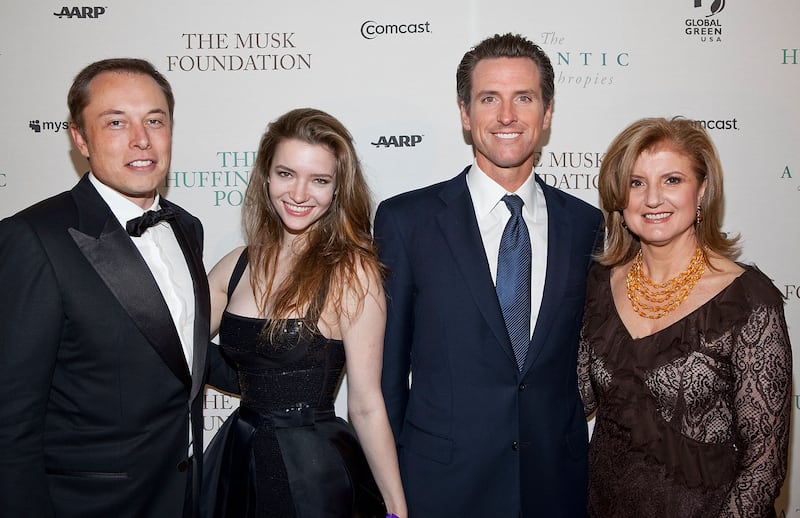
<point>78,96</point>
<point>504,46</point>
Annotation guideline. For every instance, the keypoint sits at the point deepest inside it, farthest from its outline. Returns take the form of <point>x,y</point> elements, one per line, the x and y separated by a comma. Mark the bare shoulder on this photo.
<point>364,284</point>
<point>618,274</point>
<point>719,274</point>
<point>368,270</point>
<point>722,270</point>
<point>221,272</point>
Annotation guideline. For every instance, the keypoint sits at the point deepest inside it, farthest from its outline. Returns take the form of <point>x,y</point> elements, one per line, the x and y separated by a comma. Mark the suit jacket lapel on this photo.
<point>460,230</point>
<point>559,245</point>
<point>110,251</point>
<point>192,251</point>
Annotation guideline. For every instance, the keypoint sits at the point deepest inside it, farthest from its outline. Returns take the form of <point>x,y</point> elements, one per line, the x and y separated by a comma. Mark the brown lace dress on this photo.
<point>692,421</point>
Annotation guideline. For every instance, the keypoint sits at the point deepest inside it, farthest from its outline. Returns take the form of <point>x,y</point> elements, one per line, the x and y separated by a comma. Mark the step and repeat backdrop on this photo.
<point>387,70</point>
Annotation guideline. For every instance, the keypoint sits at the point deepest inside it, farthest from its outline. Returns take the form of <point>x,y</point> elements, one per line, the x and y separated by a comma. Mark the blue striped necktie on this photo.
<point>514,279</point>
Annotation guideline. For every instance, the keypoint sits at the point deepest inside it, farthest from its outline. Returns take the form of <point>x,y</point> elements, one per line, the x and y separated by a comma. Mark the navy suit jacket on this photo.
<point>94,421</point>
<point>477,437</point>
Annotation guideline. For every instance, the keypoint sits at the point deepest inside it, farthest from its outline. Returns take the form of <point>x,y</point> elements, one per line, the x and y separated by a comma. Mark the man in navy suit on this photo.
<point>482,430</point>
<point>104,330</point>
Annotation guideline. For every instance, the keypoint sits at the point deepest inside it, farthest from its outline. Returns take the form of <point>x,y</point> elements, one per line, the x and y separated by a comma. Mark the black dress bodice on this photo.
<point>296,369</point>
<point>283,452</point>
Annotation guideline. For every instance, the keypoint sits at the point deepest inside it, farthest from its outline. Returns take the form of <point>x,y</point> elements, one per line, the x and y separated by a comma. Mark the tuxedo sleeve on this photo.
<point>222,375</point>
<point>31,317</point>
<point>399,289</point>
<point>218,373</point>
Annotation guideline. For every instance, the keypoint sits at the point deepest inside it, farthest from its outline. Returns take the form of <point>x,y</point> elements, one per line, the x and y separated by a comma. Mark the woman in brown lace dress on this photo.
<point>685,355</point>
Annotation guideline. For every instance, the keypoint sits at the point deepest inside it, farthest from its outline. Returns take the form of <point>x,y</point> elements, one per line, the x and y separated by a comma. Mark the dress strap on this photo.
<point>238,270</point>
<point>236,276</point>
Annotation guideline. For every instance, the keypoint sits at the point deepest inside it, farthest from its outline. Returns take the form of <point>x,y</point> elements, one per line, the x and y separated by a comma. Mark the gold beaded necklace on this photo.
<point>655,300</point>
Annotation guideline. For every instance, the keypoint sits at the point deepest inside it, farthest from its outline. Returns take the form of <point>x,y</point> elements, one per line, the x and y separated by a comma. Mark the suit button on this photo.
<point>514,445</point>
<point>522,387</point>
<point>183,465</point>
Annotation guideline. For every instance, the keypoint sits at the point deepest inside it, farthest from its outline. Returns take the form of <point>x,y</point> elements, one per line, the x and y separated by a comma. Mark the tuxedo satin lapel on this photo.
<point>123,270</point>
<point>460,230</point>
<point>202,304</point>
<point>559,246</point>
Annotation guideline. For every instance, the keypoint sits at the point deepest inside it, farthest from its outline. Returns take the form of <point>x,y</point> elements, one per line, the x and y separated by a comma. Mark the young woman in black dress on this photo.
<point>295,306</point>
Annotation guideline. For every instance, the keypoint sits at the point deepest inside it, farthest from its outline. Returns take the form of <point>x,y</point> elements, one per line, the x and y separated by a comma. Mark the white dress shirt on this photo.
<point>493,214</point>
<point>162,253</point>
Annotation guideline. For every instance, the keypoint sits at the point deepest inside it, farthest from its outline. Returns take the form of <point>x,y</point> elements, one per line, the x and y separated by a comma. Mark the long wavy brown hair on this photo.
<point>336,248</point>
<point>614,184</point>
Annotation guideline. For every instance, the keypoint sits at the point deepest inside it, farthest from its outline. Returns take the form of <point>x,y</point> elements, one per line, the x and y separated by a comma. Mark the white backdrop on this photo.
<point>387,70</point>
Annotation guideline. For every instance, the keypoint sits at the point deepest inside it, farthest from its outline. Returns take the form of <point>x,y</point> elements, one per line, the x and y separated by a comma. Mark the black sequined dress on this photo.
<point>284,453</point>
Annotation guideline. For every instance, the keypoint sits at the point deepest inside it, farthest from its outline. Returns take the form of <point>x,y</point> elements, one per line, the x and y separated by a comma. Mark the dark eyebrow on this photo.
<point>284,167</point>
<point>112,111</point>
<point>158,111</point>
<point>532,92</point>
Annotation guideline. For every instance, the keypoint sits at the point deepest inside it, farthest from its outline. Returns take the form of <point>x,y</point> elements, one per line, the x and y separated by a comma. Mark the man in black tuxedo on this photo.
<point>485,295</point>
<point>104,334</point>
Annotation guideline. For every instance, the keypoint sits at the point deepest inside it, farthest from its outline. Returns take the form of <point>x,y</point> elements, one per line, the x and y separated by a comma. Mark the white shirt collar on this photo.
<point>122,208</point>
<point>487,194</point>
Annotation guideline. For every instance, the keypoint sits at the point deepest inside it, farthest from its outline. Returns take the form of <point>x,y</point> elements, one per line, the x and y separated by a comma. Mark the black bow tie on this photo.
<point>137,226</point>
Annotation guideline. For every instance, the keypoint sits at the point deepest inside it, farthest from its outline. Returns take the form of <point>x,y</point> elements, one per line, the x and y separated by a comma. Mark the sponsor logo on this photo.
<point>586,59</point>
<point>81,12</point>
<point>791,292</point>
<point>211,423</point>
<point>239,52</point>
<point>786,174</point>
<point>227,181</point>
<point>583,67</point>
<point>38,126</point>
<point>715,8</point>
<point>372,29</point>
<point>707,29</point>
<point>215,401</point>
<point>718,124</point>
<point>397,141</point>
<point>570,181</point>
<point>790,56</point>
<point>569,170</point>
<point>216,408</point>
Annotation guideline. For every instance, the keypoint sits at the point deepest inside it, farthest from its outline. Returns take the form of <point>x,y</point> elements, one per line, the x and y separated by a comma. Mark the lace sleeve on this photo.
<point>584,375</point>
<point>762,361</point>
